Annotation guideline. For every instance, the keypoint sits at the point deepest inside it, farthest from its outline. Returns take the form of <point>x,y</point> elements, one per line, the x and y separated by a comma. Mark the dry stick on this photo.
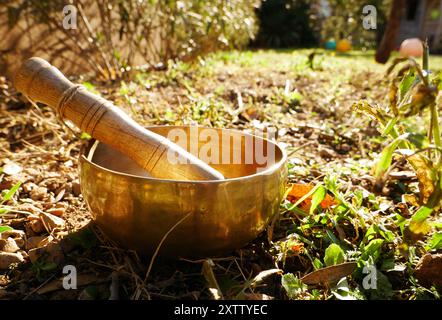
<point>106,21</point>
<point>62,51</point>
<point>55,25</point>
<point>160,244</point>
<point>114,287</point>
<point>202,260</point>
<point>143,13</point>
<point>104,239</point>
<point>95,42</point>
<point>131,34</point>
<point>39,287</point>
<point>240,270</point>
<point>138,281</point>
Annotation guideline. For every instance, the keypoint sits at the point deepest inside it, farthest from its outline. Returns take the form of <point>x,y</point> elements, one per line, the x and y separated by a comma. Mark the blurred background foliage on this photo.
<point>304,23</point>
<point>286,23</point>
<point>343,19</point>
<point>114,35</point>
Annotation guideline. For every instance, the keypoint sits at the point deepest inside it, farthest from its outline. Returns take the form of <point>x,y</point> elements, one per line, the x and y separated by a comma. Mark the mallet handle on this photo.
<point>42,82</point>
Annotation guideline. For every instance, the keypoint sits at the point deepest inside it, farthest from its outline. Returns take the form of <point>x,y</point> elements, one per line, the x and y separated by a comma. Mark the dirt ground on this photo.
<point>311,107</point>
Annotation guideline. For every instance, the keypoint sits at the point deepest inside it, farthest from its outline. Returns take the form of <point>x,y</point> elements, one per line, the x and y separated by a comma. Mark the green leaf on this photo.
<point>49,266</point>
<point>334,255</point>
<point>85,136</point>
<point>5,228</point>
<point>384,289</point>
<point>372,249</point>
<point>405,84</point>
<point>317,198</point>
<point>422,214</point>
<point>389,126</point>
<point>90,87</point>
<point>11,192</point>
<point>418,140</point>
<point>386,234</point>
<point>419,223</point>
<point>317,264</point>
<point>293,285</point>
<point>435,242</point>
<point>371,233</point>
<point>331,236</point>
<point>343,291</point>
<point>386,156</point>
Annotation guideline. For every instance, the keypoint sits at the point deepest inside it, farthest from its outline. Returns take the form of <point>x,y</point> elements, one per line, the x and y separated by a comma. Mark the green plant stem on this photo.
<point>435,127</point>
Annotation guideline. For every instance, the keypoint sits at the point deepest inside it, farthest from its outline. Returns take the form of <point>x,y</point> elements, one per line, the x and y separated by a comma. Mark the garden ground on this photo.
<point>308,98</point>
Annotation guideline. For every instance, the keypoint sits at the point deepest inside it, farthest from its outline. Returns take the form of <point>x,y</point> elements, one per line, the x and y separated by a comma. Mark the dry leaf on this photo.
<point>264,274</point>
<point>82,280</point>
<point>211,280</point>
<point>299,190</point>
<point>424,175</point>
<point>330,274</point>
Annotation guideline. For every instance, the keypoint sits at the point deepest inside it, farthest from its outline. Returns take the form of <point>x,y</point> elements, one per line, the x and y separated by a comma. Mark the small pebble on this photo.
<point>34,242</point>
<point>51,221</point>
<point>37,226</point>
<point>8,258</point>
<point>76,190</point>
<point>57,211</point>
<point>11,168</point>
<point>38,193</point>
<point>8,245</point>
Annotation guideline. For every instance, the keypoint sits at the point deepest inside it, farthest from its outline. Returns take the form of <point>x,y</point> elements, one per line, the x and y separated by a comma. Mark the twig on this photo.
<point>157,250</point>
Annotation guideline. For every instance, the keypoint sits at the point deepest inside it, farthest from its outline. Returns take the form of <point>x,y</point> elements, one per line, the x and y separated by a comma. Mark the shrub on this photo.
<point>112,35</point>
<point>285,23</point>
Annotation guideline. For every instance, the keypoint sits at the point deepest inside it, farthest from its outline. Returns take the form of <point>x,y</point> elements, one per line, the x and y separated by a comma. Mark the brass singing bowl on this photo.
<point>188,218</point>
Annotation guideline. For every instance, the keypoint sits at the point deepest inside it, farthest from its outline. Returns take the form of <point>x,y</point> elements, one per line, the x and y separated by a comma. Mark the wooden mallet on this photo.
<point>41,82</point>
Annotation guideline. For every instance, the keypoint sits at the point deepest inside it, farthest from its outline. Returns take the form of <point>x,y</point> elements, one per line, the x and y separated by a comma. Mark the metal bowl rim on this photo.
<point>268,171</point>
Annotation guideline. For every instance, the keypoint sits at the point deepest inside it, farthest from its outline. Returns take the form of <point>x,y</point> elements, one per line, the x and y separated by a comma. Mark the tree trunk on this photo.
<point>394,23</point>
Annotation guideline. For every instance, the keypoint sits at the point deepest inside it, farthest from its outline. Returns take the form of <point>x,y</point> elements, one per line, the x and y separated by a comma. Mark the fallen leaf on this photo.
<point>264,274</point>
<point>428,270</point>
<point>299,190</point>
<point>82,280</point>
<point>330,274</point>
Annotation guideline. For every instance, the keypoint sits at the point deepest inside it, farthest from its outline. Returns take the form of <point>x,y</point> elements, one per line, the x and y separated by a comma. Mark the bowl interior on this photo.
<point>235,154</point>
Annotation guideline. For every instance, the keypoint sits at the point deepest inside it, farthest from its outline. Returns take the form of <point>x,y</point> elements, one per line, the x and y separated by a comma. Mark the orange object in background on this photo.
<point>343,45</point>
<point>412,47</point>
<point>299,190</point>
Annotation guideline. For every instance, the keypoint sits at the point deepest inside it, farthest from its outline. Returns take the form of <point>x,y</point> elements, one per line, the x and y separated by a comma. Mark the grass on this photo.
<point>329,147</point>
